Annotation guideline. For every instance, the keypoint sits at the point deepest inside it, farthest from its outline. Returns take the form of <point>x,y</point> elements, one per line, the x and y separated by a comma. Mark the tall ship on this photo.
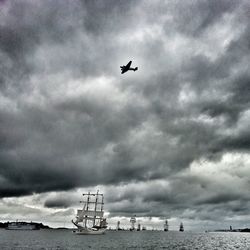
<point>181,227</point>
<point>166,226</point>
<point>90,219</point>
<point>19,225</point>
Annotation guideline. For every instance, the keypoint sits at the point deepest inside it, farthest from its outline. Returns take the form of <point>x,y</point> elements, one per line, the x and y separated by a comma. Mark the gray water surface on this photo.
<point>64,239</point>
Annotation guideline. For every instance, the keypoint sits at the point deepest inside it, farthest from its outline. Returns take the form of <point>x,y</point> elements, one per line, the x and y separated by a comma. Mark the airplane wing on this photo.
<point>128,65</point>
<point>125,68</point>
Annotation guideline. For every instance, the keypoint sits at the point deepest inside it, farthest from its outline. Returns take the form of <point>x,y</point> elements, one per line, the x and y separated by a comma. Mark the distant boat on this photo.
<point>181,227</point>
<point>133,221</point>
<point>89,219</point>
<point>18,225</point>
<point>118,226</point>
<point>166,226</point>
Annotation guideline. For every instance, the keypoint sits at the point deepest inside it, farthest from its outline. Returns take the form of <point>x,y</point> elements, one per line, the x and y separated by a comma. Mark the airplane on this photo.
<point>127,67</point>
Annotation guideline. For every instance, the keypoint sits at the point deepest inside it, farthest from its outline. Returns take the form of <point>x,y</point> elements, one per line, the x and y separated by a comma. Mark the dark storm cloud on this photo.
<point>30,27</point>
<point>53,203</point>
<point>194,197</point>
<point>20,34</point>
<point>240,91</point>
<point>102,17</point>
<point>195,17</point>
<point>220,198</point>
<point>239,142</point>
<point>69,119</point>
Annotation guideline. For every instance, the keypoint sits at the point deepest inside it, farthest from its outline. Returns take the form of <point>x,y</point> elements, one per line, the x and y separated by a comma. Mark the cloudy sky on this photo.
<point>170,140</point>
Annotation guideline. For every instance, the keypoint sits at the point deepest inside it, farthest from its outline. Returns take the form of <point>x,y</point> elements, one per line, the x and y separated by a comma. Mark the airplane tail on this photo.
<point>135,68</point>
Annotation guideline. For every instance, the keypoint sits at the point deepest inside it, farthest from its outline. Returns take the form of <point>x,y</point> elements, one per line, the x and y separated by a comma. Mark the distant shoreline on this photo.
<point>4,225</point>
<point>36,224</point>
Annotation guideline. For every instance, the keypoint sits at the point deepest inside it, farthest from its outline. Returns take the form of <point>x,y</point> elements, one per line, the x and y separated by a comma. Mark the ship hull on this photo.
<point>89,231</point>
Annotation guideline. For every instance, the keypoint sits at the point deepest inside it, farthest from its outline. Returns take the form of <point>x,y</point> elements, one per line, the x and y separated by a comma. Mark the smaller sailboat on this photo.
<point>166,226</point>
<point>90,220</point>
<point>181,227</point>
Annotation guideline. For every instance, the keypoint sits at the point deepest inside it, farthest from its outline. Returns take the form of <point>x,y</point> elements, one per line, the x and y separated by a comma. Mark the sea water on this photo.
<point>65,239</point>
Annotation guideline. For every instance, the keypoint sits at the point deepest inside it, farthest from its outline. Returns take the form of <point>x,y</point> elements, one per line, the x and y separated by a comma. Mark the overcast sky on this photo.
<point>170,140</point>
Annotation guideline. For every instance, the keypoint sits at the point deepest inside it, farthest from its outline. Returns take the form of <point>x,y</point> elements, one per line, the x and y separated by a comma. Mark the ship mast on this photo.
<point>96,200</point>
<point>102,203</point>
<point>87,208</point>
